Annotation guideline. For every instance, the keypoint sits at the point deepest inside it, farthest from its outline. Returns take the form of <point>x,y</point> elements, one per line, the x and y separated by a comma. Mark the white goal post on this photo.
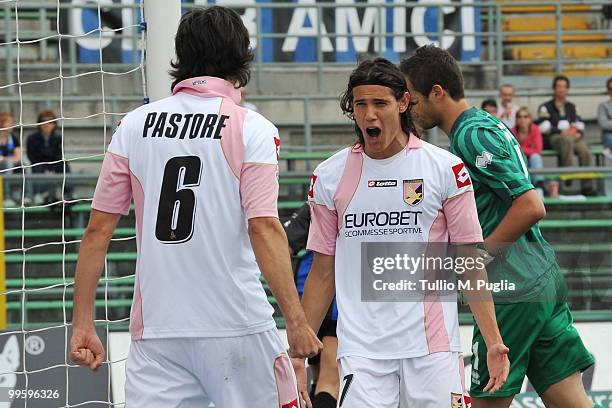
<point>161,18</point>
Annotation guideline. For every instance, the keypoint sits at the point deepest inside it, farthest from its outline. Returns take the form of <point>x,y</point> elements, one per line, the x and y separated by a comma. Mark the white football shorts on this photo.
<point>431,381</point>
<point>245,371</point>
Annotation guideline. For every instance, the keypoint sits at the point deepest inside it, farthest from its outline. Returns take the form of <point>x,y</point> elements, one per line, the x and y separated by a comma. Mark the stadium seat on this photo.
<point>546,23</point>
<point>570,51</point>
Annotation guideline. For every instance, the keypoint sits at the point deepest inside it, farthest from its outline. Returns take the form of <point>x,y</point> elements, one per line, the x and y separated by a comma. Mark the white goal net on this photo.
<point>71,70</point>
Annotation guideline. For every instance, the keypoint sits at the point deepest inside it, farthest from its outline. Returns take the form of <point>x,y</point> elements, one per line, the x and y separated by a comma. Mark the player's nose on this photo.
<point>370,114</point>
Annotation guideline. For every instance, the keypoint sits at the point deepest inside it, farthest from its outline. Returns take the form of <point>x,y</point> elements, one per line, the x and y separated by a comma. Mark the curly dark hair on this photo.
<point>212,42</point>
<point>377,71</point>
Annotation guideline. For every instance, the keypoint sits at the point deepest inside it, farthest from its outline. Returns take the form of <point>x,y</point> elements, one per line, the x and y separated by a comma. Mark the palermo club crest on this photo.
<point>413,191</point>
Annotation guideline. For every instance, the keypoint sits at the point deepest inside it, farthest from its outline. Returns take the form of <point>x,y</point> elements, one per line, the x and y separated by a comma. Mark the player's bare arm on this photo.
<point>526,210</point>
<point>319,291</point>
<point>481,305</point>
<point>85,346</point>
<point>268,240</point>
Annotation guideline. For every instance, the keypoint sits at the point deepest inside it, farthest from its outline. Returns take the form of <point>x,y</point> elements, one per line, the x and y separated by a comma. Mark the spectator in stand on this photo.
<point>507,108</point>
<point>604,118</point>
<point>489,105</point>
<point>563,130</point>
<point>44,149</point>
<point>10,148</point>
<point>530,138</point>
<point>10,151</point>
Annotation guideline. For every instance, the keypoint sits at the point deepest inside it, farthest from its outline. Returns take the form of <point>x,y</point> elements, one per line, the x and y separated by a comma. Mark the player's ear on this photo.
<point>437,92</point>
<point>404,102</point>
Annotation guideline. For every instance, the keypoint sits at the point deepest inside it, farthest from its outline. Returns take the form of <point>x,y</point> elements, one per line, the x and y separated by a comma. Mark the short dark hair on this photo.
<point>212,42</point>
<point>377,71</point>
<point>560,78</point>
<point>430,65</point>
<point>489,102</point>
<point>608,82</point>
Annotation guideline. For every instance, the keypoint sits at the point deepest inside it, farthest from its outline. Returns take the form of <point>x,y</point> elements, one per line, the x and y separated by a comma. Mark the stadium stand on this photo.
<point>531,33</point>
<point>42,242</point>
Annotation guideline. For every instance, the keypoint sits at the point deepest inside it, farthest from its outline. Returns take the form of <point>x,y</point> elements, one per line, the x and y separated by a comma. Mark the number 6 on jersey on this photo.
<point>177,202</point>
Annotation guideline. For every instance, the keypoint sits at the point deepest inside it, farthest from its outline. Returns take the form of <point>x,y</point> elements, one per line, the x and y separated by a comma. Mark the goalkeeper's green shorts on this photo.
<point>544,346</point>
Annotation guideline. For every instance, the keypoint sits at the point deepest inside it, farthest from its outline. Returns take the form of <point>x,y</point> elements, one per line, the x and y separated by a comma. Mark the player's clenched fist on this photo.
<point>303,341</point>
<point>86,349</point>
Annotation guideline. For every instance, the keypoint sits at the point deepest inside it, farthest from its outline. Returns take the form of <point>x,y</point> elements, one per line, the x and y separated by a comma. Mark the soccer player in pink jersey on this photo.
<point>391,187</point>
<point>202,171</point>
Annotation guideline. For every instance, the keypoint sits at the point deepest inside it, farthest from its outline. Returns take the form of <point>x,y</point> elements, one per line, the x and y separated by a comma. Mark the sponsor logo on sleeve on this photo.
<point>311,190</point>
<point>382,183</point>
<point>484,159</point>
<point>462,177</point>
<point>413,191</point>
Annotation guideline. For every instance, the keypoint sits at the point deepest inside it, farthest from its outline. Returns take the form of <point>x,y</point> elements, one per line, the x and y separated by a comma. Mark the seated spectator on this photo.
<point>490,106</point>
<point>10,148</point>
<point>44,149</point>
<point>563,130</point>
<point>530,138</point>
<point>507,108</point>
<point>604,118</point>
<point>10,152</point>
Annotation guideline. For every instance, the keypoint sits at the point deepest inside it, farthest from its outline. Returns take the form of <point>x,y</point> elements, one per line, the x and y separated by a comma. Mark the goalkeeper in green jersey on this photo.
<point>534,319</point>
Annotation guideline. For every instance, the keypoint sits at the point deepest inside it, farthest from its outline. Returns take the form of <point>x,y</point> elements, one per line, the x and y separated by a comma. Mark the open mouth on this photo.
<point>373,131</point>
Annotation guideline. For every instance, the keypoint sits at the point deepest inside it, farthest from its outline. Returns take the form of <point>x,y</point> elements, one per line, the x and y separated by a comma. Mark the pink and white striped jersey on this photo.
<point>421,194</point>
<point>198,166</point>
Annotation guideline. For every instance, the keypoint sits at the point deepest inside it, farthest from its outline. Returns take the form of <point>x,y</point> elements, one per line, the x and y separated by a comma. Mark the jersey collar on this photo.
<point>207,86</point>
<point>414,142</point>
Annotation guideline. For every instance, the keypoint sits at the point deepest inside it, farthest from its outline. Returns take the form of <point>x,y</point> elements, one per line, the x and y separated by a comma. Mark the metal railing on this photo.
<point>490,41</point>
<point>118,104</point>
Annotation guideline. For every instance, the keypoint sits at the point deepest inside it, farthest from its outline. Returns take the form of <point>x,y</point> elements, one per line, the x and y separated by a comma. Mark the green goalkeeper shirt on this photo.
<point>499,173</point>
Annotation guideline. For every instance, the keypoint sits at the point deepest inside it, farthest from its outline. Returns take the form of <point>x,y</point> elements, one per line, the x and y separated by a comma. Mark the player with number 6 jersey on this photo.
<point>202,171</point>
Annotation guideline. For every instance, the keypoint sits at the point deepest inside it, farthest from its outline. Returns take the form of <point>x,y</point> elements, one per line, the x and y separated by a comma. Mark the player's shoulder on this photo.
<point>475,119</point>
<point>480,127</point>
<point>439,154</point>
<point>138,116</point>
<point>256,123</point>
<point>440,161</point>
<point>156,106</point>
<point>326,177</point>
<point>545,109</point>
<point>334,164</point>
<point>329,172</point>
